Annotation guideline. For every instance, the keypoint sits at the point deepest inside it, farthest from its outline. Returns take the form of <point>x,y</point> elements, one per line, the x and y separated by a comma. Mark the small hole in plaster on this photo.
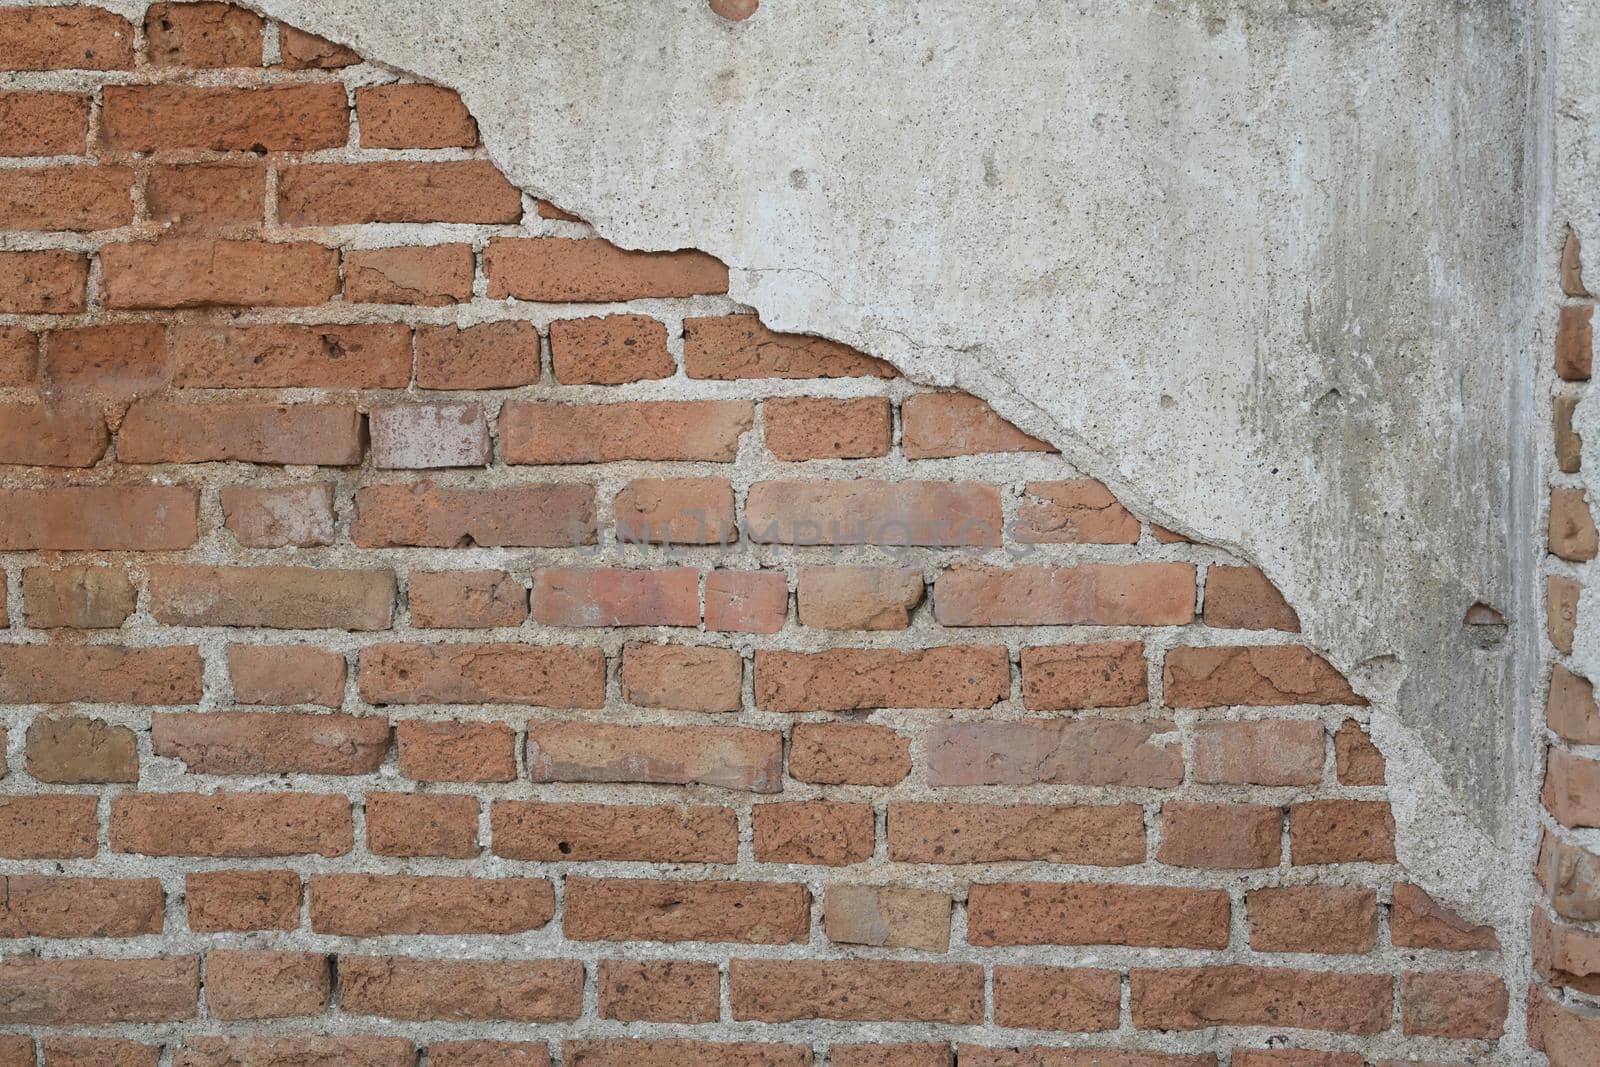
<point>735,10</point>
<point>1485,625</point>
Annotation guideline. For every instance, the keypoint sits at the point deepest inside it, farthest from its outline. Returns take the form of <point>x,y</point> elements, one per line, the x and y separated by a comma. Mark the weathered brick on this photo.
<point>45,906</point>
<point>1561,611</point>
<point>1568,443</point>
<point>43,124</point>
<point>426,515</point>
<point>19,356</point>
<point>662,833</point>
<point>488,1054</point>
<point>848,754</point>
<point>550,676</point>
<point>306,51</point>
<point>1242,598</point>
<point>1288,1057</point>
<point>1341,831</point>
<point>675,511</point>
<point>1416,920</point>
<point>231,824</point>
<point>814,832</point>
<point>271,742</point>
<point>1254,675</point>
<point>83,597</point>
<point>96,1052</point>
<point>159,431</point>
<point>466,599</point>
<point>432,276</point>
<point>1096,594</point>
<point>668,991</point>
<point>278,118</point>
<point>616,596</point>
<point>868,512</point>
<point>188,272</point>
<point>548,432</point>
<point>1571,875</point>
<point>1066,913</point>
<point>86,992</point>
<point>887,917</point>
<point>940,425</point>
<point>458,990</point>
<point>1102,674</point>
<point>51,826</point>
<point>1313,918</point>
<point>242,900</point>
<point>802,428</point>
<point>298,515</point>
<point>1572,530</point>
<point>1575,342</point>
<point>457,751</point>
<point>1110,835</point>
<point>333,194</point>
<point>856,990</point>
<point>858,598</point>
<point>99,674</point>
<point>1571,789</point>
<point>731,757</point>
<point>266,985</point>
<point>853,679</point>
<point>1055,752</point>
<point>202,35</point>
<point>413,116</point>
<point>635,1052</point>
<point>1081,1000</point>
<point>1453,1004</point>
<point>1566,956</point>
<point>755,913</point>
<point>565,270</point>
<point>683,678</point>
<point>192,197</point>
<point>285,598</point>
<point>738,346</point>
<point>425,436</point>
<point>1267,752</point>
<point>66,198</point>
<point>1357,760</point>
<point>53,434</point>
<point>1227,836</point>
<point>752,602</point>
<point>609,350</point>
<point>400,824</point>
<point>201,1051</point>
<point>113,362</point>
<point>67,37</point>
<point>47,282</point>
<point>1076,512</point>
<point>374,356</point>
<point>492,355</point>
<point>371,905</point>
<point>76,750</point>
<point>286,674</point>
<point>1193,998</point>
<point>1570,710</point>
<point>896,1055</point>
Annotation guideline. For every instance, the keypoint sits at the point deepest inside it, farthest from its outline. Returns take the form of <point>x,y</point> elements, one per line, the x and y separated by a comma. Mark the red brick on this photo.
<point>1571,789</point>
<point>614,596</point>
<point>202,35</point>
<point>856,990</point>
<point>399,824</point>
<point>116,362</point>
<point>59,434</point>
<point>493,355</point>
<point>1057,998</point>
<point>457,751</point>
<point>372,905</point>
<point>1109,835</point>
<point>1095,594</point>
<point>1228,836</point>
<point>87,992</point>
<point>1416,920</point>
<point>64,38</point>
<point>286,674</point>
<point>19,356</point>
<point>231,824</point>
<point>752,602</point>
<point>610,350</point>
<point>1066,913</point>
<point>868,512</point>
<point>413,116</point>
<point>754,913</point>
<point>466,599</point>
<point>266,985</point>
<point>858,598</point>
<point>305,51</point>
<point>323,357</point>
<point>285,598</point>
<point>43,124</point>
<point>157,431</point>
<point>1104,674</point>
<point>458,990</point>
<point>886,917</point>
<point>333,194</point>
<point>738,346</point>
<point>1357,760</point>
<point>426,515</point>
<point>432,276</point>
<point>75,749</point>
<point>44,906</point>
<point>99,674</point>
<point>1268,752</point>
<point>271,742</point>
<point>1566,956</point>
<point>185,272</point>
<point>425,436</point>
<point>1242,598</point>
<point>47,282</point>
<point>802,428</point>
<point>1243,1057</point>
<point>1076,512</point>
<point>96,1052</point>
<point>814,832</point>
<point>853,679</point>
<point>1575,343</point>
<point>940,425</point>
<point>242,900</point>
<point>1194,998</point>
<point>550,676</point>
<point>1095,752</point>
<point>848,754</point>
<point>298,515</point>
<point>1572,530</point>
<point>278,118</point>
<point>730,757</point>
<point>1313,918</point>
<point>1570,710</point>
<point>634,1052</point>
<point>1561,611</point>
<point>200,1051</point>
<point>564,270</point>
<point>902,1055</point>
<point>488,1054</point>
<point>682,678</point>
<point>662,833</point>
<point>670,991</point>
<point>49,826</point>
<point>543,432</point>
<point>675,511</point>
<point>1341,831</point>
<point>1254,675</point>
<point>201,196</point>
<point>66,198</point>
<point>1453,1004</point>
<point>83,597</point>
<point>547,210</point>
<point>1571,875</point>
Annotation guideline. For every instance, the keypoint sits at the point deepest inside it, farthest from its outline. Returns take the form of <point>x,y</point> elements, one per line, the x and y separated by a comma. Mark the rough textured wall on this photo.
<point>355,702</point>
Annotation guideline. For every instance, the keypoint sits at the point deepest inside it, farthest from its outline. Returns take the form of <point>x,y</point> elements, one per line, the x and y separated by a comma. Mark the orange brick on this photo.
<point>191,272</point>
<point>66,198</point>
<point>1416,920</point>
<point>199,1051</point>
<point>1096,594</point>
<point>1194,998</point>
<point>413,116</point>
<point>461,990</point>
<point>45,906</point>
<point>1102,674</point>
<point>1561,611</point>
<point>97,1052</point>
<point>731,757</point>
<point>1453,1004</point>
<point>1313,918</point>
<point>940,425</point>
<point>428,436</point>
<point>1341,831</point>
<point>48,282</point>
<point>158,431</point>
<point>848,754</point>
<point>19,355</point>
<point>1269,752</point>
<point>1258,675</point>
<point>1057,998</point>
<point>334,194</point>
<point>64,38</point>
<point>279,118</point>
<point>1570,710</point>
<point>43,124</point>
<point>424,276</point>
<point>467,599</point>
<point>231,824</point>
<point>284,598</point>
<point>286,674</point>
<point>99,674</point>
<point>870,512</point>
<point>457,751</point>
<point>1242,598</point>
<point>1575,342</point>
<point>886,917</point>
<point>755,913</point>
<point>683,678</point>
<point>883,1055</point>
<point>1572,789</point>
<point>1056,752</point>
<point>399,824</point>
<point>1098,835</point>
<point>75,749</point>
<point>1080,511</point>
<point>856,990</point>
<point>280,357</point>
<point>1572,530</point>
<point>636,1052</point>
<point>430,516</point>
<point>676,511</point>
<point>116,362</point>
<point>1227,836</point>
<point>853,679</point>
<point>90,518</point>
<point>542,432</point>
<point>609,350</point>
<point>1065,913</point>
<point>299,515</point>
<point>753,602</point>
<point>488,1054</point>
<point>660,991</point>
<point>375,905</point>
<point>52,434</point>
<point>202,196</point>
<point>545,676</point>
<point>814,832</point>
<point>858,598</point>
<point>738,346</point>
<point>305,51</point>
<point>662,833</point>
<point>86,992</point>
<point>802,428</point>
<point>615,596</point>
<point>202,35</point>
<point>242,900</point>
<point>48,827</point>
<point>276,742</point>
<point>1357,760</point>
<point>566,270</point>
<point>493,355</point>
<point>266,985</point>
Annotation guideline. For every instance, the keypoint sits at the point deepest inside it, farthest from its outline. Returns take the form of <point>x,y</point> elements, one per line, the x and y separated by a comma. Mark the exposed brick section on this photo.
<point>548,676</point>
<point>202,35</point>
<point>157,431</point>
<point>707,430</point>
<point>66,198</point>
<point>1341,831</point>
<point>280,118</point>
<point>814,832</point>
<point>78,750</point>
<point>1269,752</point>
<point>468,599</point>
<point>488,1054</point>
<point>426,436</point>
<point>1572,530</point>
<point>1242,598</point>
<point>659,991</point>
<point>526,991</point>
<point>50,283</point>
<point>1109,835</point>
<point>49,827</point>
<point>1453,1004</point>
<point>754,602</point>
<point>351,1051</point>
<point>738,346</point>
<point>108,1051</point>
<point>426,515</point>
<point>400,824</point>
<point>1575,342</point>
<point>307,51</point>
<point>51,435</point>
<point>242,900</point>
<point>1416,920</point>
<point>886,917</point>
<point>1571,876</point>
<point>1227,836</point>
<point>1100,594</point>
<point>843,679</point>
<point>870,512</point>
<point>43,123</point>
<point>300,515</point>
<point>680,678</point>
<point>1196,997</point>
<point>1253,675</point>
<point>64,38</point>
<point>232,825</point>
<point>1050,913</point>
<point>271,742</point>
<point>1056,752</point>
<point>333,357</point>
<point>1330,919</point>
<point>732,757</point>
<point>610,350</point>
<point>1057,998</point>
<point>1572,789</point>
<point>675,511</point>
<point>457,751</point>
<point>44,906</point>
<point>192,272</point>
<point>368,905</point>
<point>493,355</point>
<point>201,196</point>
<point>533,830</point>
<point>614,596</point>
<point>858,598</point>
<point>1561,611</point>
<point>112,363</point>
<point>333,194</point>
<point>19,356</point>
<point>1079,511</point>
<point>78,992</point>
<point>939,425</point>
<point>426,277</point>
<point>266,985</point>
<point>87,598</point>
<point>619,1052</point>
<point>856,990</point>
<point>841,754</point>
<point>563,270</point>
<point>1357,759</point>
<point>802,428</point>
<point>286,674</point>
<point>413,116</point>
<point>1102,674</point>
<point>284,598</point>
<point>754,913</point>
<point>1570,709</point>
<point>901,1055</point>
<point>99,674</point>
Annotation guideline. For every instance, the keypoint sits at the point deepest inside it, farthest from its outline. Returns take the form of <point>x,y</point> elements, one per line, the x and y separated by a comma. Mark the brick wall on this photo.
<point>423,619</point>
